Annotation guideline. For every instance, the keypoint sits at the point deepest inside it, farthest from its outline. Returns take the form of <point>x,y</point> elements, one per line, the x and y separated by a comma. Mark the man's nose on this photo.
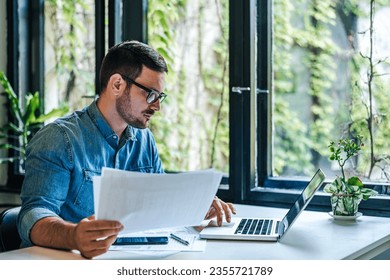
<point>155,106</point>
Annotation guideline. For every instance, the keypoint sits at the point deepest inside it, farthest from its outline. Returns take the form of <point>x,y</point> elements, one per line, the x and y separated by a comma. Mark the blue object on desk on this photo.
<point>155,240</point>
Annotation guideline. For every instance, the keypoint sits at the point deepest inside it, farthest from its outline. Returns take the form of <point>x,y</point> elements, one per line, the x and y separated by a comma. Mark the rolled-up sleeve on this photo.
<point>28,219</point>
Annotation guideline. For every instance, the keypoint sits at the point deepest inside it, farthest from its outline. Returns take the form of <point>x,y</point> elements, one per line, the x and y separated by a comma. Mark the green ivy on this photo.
<point>351,112</point>
<point>70,19</point>
<point>173,126</point>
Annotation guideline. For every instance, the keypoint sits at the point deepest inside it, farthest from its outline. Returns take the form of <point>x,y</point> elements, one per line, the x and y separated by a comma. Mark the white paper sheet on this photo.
<point>96,193</point>
<point>144,201</point>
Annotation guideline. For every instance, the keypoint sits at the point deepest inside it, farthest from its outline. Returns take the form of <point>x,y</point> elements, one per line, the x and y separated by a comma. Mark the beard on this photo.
<point>126,112</point>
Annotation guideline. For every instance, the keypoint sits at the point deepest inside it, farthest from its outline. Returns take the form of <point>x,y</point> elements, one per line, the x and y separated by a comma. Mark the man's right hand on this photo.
<point>90,236</point>
<point>94,237</point>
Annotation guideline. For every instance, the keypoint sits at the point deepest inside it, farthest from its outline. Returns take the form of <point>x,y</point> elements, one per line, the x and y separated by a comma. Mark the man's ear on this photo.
<point>116,84</point>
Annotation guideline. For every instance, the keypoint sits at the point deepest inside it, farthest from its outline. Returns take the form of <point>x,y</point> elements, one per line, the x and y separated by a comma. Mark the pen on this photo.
<point>181,240</point>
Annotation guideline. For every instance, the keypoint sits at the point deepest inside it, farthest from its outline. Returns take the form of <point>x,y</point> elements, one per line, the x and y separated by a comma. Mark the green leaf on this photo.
<point>12,97</point>
<point>355,181</point>
<point>32,105</point>
<point>366,193</point>
<point>353,189</point>
<point>7,86</point>
<point>53,113</point>
<point>330,188</point>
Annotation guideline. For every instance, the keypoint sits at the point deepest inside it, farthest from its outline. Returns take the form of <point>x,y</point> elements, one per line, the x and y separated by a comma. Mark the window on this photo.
<point>256,88</point>
<point>321,90</point>
<point>320,63</point>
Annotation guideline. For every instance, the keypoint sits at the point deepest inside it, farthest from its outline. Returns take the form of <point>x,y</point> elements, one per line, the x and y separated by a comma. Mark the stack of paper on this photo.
<point>144,201</point>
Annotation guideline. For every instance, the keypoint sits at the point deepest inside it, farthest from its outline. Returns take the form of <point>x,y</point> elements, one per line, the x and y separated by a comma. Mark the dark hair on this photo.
<point>128,58</point>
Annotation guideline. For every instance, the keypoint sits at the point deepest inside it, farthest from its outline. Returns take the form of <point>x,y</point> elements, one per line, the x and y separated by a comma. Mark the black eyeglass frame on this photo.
<point>153,95</point>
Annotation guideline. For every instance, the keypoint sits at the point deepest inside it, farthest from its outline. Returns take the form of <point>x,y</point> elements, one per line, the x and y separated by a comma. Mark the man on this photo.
<point>57,199</point>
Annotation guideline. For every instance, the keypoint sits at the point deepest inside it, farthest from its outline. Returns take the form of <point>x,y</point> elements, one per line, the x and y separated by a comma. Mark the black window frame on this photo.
<point>25,69</point>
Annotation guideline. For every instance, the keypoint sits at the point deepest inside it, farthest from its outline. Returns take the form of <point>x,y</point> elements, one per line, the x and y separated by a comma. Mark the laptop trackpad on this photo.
<point>213,223</point>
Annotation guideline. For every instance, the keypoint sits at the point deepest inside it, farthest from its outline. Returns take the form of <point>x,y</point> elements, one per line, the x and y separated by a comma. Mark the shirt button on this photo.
<point>115,137</point>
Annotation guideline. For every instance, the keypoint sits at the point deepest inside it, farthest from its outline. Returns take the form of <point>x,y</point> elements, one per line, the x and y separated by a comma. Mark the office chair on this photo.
<point>9,235</point>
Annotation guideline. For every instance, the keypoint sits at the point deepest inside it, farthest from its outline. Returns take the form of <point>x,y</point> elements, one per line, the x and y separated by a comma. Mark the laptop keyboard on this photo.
<point>254,227</point>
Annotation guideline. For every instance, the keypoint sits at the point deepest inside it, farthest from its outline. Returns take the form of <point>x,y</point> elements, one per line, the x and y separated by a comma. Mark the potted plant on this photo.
<point>25,120</point>
<point>346,193</point>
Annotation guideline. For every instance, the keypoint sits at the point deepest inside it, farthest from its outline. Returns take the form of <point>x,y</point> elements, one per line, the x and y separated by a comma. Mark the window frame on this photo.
<point>24,44</point>
<point>242,109</point>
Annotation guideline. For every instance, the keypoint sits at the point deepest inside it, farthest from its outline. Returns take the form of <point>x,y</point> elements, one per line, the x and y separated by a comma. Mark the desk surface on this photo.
<point>315,235</point>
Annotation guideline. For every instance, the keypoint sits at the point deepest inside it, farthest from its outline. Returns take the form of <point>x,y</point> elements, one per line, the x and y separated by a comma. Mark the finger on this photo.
<point>228,213</point>
<point>219,210</point>
<point>94,225</point>
<point>88,231</point>
<point>211,213</point>
<point>93,248</point>
<point>105,243</point>
<point>93,253</point>
<point>229,210</point>
<point>91,218</point>
<point>98,235</point>
<point>94,234</point>
<point>232,208</point>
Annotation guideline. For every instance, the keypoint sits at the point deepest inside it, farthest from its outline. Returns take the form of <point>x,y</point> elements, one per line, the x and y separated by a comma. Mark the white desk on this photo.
<point>315,235</point>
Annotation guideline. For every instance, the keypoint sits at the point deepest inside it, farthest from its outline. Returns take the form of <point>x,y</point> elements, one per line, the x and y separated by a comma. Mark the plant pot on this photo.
<point>344,204</point>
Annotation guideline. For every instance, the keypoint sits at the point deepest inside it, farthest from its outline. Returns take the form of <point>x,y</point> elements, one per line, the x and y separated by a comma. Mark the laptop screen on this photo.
<point>302,201</point>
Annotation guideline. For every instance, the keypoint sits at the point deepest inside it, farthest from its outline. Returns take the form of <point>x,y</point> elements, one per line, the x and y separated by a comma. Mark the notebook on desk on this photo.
<point>265,229</point>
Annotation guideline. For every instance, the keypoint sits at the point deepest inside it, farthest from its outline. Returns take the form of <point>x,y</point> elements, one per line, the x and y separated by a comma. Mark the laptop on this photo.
<point>265,229</point>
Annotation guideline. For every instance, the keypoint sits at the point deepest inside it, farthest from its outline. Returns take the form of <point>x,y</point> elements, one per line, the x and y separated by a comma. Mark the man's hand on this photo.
<point>91,237</point>
<point>220,209</point>
<point>94,237</point>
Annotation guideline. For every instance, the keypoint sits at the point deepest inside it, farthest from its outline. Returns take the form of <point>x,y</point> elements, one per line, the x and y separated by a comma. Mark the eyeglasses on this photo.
<point>153,95</point>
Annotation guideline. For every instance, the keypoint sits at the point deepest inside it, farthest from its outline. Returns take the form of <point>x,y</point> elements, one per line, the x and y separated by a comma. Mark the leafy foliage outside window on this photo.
<point>192,128</point>
<point>303,62</point>
<point>69,56</point>
<point>330,82</point>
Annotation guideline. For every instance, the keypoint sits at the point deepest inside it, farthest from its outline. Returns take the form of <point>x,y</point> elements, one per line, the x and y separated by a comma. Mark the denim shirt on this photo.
<point>63,157</point>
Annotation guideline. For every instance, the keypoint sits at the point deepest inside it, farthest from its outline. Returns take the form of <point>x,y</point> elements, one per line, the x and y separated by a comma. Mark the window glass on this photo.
<point>331,80</point>
<point>192,129</point>
<point>69,53</point>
